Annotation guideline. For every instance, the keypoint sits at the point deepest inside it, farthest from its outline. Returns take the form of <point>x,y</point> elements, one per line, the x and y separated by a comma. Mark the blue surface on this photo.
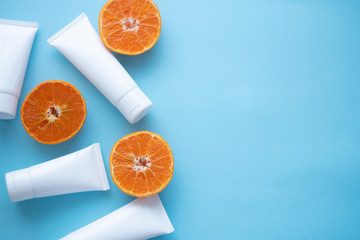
<point>259,102</point>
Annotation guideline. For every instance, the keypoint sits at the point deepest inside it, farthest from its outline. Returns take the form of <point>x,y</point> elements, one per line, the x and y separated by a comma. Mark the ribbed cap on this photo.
<point>19,185</point>
<point>134,105</point>
<point>8,105</point>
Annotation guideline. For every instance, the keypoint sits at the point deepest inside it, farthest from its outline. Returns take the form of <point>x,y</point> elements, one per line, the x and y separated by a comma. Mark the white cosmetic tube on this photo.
<point>16,39</point>
<point>80,171</point>
<point>80,43</point>
<point>143,218</point>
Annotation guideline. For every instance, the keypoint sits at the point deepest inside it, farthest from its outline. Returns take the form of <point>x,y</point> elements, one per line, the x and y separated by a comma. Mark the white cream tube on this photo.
<point>80,43</point>
<point>143,218</point>
<point>80,171</point>
<point>16,39</point>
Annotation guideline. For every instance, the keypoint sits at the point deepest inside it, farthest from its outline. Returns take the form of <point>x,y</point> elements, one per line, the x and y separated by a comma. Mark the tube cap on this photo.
<point>134,105</point>
<point>19,185</point>
<point>8,105</point>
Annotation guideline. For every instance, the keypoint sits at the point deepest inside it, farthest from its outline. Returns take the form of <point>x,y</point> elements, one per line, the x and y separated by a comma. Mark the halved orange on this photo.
<point>53,112</point>
<point>129,27</point>
<point>141,164</point>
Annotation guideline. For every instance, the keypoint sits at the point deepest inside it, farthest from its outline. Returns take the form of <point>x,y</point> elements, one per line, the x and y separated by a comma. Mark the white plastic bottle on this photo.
<point>16,40</point>
<point>76,172</point>
<point>80,43</point>
<point>141,219</point>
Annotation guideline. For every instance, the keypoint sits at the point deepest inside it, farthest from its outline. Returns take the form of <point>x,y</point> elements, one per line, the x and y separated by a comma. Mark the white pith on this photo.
<point>50,116</point>
<point>141,163</point>
<point>133,22</point>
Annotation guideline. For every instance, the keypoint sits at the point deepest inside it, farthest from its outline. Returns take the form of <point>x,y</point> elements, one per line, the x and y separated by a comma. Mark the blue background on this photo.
<point>259,101</point>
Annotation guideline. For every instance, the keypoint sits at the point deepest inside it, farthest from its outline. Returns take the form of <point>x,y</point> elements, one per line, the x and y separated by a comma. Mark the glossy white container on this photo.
<point>16,40</point>
<point>143,218</point>
<point>76,172</point>
<point>81,44</point>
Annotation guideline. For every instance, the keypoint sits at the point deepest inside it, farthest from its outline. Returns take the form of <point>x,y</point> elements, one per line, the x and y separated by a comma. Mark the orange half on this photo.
<point>141,164</point>
<point>129,27</point>
<point>53,112</point>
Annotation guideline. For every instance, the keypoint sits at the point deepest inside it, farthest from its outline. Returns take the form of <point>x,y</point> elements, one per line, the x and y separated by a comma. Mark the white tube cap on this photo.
<point>19,185</point>
<point>8,105</point>
<point>134,105</point>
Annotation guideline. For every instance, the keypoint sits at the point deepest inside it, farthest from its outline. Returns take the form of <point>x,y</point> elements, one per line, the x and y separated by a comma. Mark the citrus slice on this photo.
<point>129,27</point>
<point>53,112</point>
<point>141,164</point>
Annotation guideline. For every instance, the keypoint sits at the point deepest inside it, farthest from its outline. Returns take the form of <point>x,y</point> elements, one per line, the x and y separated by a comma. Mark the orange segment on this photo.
<point>141,164</point>
<point>129,27</point>
<point>53,112</point>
